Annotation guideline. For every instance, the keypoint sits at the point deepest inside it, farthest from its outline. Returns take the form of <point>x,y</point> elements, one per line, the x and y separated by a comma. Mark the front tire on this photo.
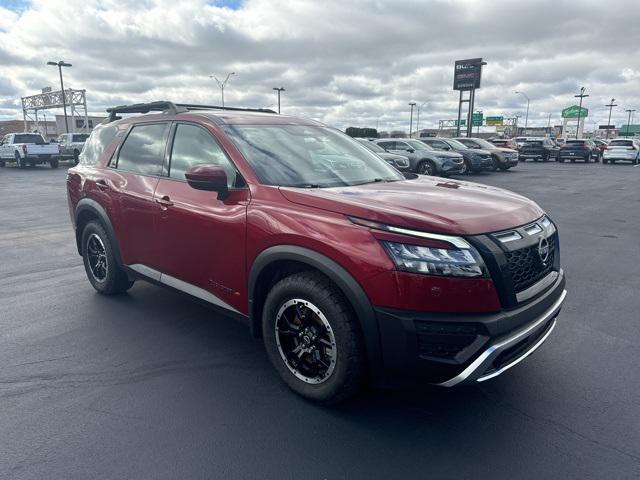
<point>100,264</point>
<point>76,157</point>
<point>427,168</point>
<point>312,338</point>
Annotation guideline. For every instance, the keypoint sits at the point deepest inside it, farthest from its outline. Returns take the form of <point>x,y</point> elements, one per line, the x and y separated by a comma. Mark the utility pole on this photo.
<point>630,111</point>
<point>279,89</point>
<point>580,96</point>
<point>61,64</point>
<point>411,104</point>
<point>478,130</point>
<point>222,85</point>
<point>526,118</point>
<point>610,105</point>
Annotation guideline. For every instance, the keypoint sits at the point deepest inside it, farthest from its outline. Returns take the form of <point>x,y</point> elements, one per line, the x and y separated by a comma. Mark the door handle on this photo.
<point>164,201</point>
<point>102,184</point>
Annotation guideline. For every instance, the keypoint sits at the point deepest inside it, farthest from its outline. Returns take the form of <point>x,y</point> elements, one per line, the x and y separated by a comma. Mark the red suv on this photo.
<point>350,271</point>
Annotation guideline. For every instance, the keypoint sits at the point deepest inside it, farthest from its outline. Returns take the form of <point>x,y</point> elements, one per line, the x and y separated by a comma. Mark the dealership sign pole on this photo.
<point>466,77</point>
<point>611,105</point>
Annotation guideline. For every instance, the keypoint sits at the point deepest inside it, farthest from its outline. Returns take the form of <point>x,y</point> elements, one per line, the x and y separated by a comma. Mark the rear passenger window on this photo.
<point>143,150</point>
<point>99,140</point>
<point>194,145</point>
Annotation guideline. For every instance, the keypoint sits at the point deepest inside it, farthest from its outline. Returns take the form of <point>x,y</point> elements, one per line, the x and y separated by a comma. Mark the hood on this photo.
<point>429,204</point>
<point>502,150</point>
<point>443,153</point>
<point>477,150</point>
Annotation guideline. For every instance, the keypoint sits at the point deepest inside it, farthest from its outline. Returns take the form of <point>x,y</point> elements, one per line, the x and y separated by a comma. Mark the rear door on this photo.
<point>202,238</point>
<point>130,183</point>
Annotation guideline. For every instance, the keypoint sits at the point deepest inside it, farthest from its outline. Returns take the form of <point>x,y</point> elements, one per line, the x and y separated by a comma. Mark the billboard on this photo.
<point>467,73</point>
<point>495,121</point>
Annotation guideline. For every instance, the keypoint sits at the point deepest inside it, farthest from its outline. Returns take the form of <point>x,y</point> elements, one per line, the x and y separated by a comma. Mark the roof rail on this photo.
<point>162,106</point>
<point>171,108</point>
<point>191,106</point>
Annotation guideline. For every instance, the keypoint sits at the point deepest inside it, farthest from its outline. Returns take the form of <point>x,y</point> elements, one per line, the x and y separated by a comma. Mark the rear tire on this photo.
<point>307,313</point>
<point>604,161</point>
<point>53,163</point>
<point>19,161</point>
<point>100,264</point>
<point>76,157</point>
<point>635,161</point>
<point>2,164</point>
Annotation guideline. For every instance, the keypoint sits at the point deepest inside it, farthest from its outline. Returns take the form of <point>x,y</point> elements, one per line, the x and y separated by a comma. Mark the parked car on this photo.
<point>601,144</point>
<point>424,159</point>
<point>27,149</point>
<point>520,141</point>
<point>506,143</point>
<point>71,145</point>
<point>503,158</point>
<point>349,271</point>
<point>584,150</point>
<point>536,149</point>
<point>398,161</point>
<point>622,149</point>
<point>475,160</point>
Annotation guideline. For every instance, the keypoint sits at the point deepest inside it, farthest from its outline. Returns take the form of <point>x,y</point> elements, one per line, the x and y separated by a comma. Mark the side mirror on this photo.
<point>211,178</point>
<point>411,150</point>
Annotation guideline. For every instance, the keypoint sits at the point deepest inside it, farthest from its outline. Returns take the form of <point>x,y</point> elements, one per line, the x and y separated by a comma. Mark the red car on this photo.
<point>350,271</point>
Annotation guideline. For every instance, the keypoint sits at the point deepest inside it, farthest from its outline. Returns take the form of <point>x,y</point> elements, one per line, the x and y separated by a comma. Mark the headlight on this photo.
<point>435,261</point>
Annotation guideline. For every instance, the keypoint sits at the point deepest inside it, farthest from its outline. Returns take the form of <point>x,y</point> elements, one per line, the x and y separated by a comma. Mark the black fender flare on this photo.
<point>87,205</point>
<point>342,278</point>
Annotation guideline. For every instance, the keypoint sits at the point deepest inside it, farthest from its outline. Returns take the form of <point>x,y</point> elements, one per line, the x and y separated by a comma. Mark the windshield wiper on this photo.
<point>375,180</point>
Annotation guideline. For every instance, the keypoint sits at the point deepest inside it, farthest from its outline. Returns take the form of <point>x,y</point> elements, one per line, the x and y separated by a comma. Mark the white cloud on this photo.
<point>345,63</point>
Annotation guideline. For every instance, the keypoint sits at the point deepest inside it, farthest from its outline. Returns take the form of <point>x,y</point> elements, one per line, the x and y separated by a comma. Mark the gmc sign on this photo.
<point>467,73</point>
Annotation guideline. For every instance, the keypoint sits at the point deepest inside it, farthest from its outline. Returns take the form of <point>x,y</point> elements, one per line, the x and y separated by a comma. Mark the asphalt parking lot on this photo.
<point>152,385</point>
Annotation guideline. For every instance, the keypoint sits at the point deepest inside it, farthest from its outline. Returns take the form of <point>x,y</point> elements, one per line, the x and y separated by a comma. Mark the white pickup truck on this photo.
<point>27,149</point>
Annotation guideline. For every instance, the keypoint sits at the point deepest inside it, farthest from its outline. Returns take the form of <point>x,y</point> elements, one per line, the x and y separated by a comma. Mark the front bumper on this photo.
<point>449,166</point>
<point>452,349</point>
<point>509,161</point>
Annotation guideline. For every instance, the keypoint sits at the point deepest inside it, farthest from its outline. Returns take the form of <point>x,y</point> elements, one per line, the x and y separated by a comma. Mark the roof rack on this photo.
<point>191,106</point>
<point>171,108</point>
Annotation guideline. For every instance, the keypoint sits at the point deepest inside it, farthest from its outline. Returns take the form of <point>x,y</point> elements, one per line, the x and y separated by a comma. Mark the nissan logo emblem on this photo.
<point>543,250</point>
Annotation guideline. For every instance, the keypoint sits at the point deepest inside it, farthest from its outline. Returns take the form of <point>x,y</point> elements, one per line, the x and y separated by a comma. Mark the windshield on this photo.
<point>483,143</point>
<point>418,145</point>
<point>374,147</point>
<point>80,137</point>
<point>457,145</point>
<point>29,138</point>
<point>308,156</point>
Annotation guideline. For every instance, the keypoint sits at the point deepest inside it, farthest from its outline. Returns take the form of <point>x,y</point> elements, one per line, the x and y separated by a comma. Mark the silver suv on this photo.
<point>422,158</point>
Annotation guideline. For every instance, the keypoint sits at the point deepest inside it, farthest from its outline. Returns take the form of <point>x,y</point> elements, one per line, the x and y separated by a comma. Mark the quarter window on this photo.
<point>192,146</point>
<point>143,150</point>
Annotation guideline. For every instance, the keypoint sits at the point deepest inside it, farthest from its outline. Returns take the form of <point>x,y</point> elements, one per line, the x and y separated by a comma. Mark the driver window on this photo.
<point>194,145</point>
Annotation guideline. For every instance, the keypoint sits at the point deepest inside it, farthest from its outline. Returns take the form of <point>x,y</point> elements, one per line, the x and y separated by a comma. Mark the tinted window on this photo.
<point>621,143</point>
<point>387,145</point>
<point>98,141</point>
<point>143,150</point>
<point>194,146</point>
<point>29,138</point>
<point>80,137</point>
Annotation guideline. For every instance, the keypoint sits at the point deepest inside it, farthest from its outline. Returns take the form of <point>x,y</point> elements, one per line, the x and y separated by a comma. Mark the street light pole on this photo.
<point>526,118</point>
<point>630,111</point>
<point>580,96</point>
<point>611,105</point>
<point>411,104</point>
<point>478,130</point>
<point>418,118</point>
<point>222,84</point>
<point>61,64</point>
<point>279,89</point>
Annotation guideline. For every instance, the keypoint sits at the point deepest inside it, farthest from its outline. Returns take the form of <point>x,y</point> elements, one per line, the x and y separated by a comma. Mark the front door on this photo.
<point>202,239</point>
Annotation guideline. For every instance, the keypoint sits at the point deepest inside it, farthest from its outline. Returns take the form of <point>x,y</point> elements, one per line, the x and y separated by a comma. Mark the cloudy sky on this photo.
<point>349,62</point>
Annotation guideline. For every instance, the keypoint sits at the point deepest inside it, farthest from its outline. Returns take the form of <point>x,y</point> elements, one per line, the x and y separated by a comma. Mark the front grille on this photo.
<point>526,267</point>
<point>443,340</point>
